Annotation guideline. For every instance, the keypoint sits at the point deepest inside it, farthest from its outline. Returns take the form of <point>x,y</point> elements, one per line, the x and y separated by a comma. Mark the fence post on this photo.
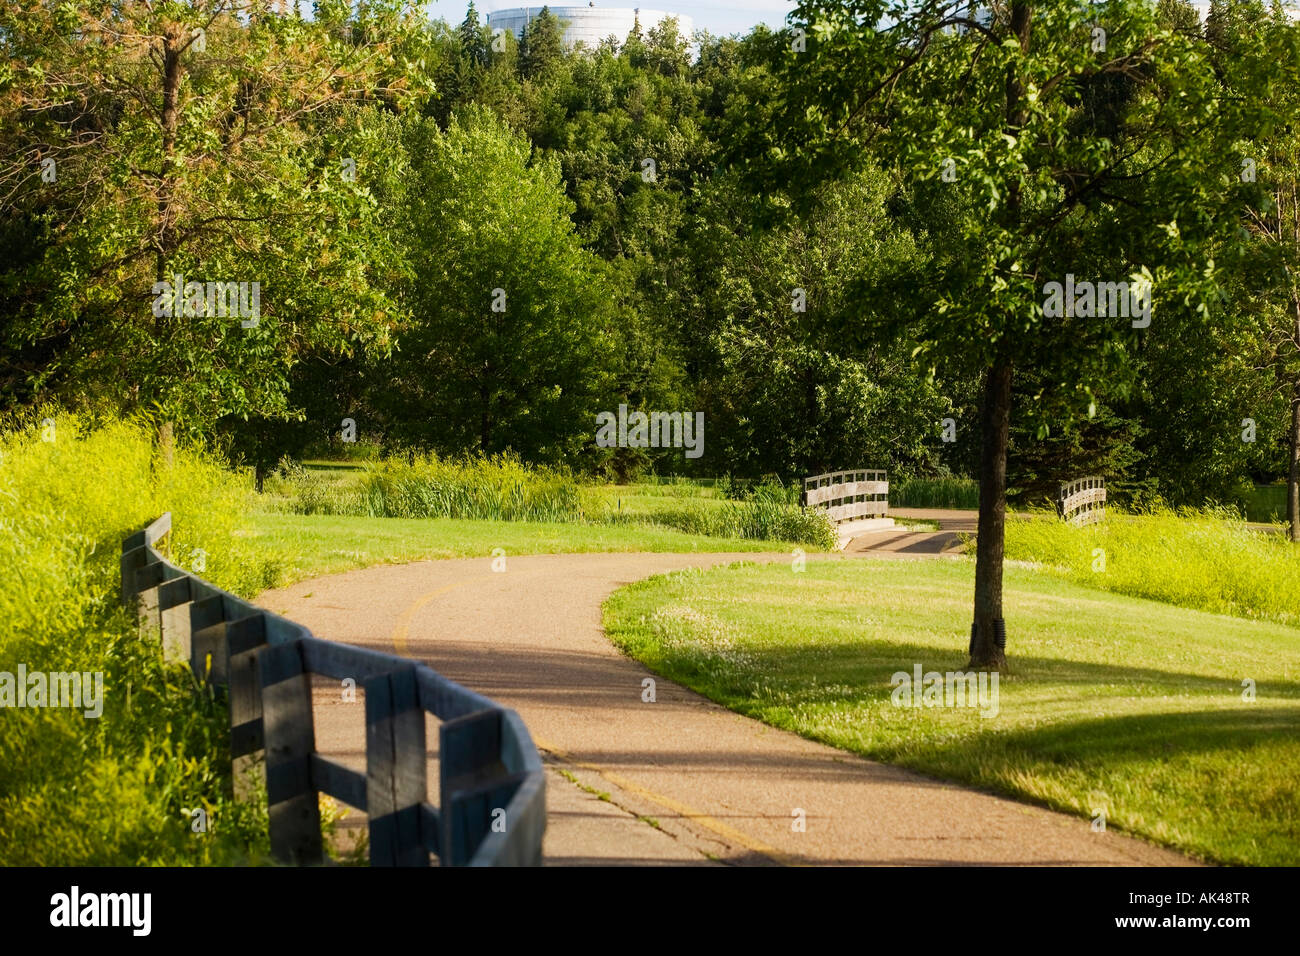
<point>527,829</point>
<point>148,580</point>
<point>174,618</point>
<point>293,805</point>
<point>475,783</point>
<point>395,769</point>
<point>245,638</point>
<point>133,559</point>
<point>209,658</point>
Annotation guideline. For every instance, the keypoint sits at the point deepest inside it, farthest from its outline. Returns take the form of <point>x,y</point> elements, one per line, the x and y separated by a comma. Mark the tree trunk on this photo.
<point>166,444</point>
<point>1293,476</point>
<point>988,635</point>
<point>988,632</point>
<point>174,42</point>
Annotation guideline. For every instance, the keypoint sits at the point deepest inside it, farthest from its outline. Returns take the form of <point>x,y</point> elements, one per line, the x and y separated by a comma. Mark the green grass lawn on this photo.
<point>646,500</point>
<point>647,490</point>
<point>1111,702</point>
<point>295,547</point>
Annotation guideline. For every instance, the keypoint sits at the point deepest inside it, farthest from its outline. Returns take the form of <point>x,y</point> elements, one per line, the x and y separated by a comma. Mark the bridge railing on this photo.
<point>846,495</point>
<point>491,808</point>
<point>1083,501</point>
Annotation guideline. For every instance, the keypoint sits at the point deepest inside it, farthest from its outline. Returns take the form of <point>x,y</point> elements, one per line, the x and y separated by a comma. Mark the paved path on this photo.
<point>899,542</point>
<point>677,781</point>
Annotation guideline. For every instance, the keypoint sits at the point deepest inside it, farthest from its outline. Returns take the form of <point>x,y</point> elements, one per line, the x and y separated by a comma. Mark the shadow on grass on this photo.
<point>868,666</point>
<point>1147,737</point>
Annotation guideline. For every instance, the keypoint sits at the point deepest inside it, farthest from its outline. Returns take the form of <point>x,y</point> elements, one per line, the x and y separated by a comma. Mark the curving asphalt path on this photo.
<point>677,781</point>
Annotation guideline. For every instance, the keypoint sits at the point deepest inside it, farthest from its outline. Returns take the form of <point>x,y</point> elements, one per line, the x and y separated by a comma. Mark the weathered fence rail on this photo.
<point>491,809</point>
<point>1083,501</point>
<point>848,495</point>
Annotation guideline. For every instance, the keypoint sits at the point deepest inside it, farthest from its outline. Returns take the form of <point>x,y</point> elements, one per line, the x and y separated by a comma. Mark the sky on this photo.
<point>719,17</point>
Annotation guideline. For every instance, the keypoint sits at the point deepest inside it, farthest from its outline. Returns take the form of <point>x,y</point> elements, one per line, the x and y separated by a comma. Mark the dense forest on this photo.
<point>466,243</point>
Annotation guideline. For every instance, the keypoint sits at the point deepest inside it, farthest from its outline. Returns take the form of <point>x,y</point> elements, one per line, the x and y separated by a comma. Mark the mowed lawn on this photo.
<point>295,547</point>
<point>1112,703</point>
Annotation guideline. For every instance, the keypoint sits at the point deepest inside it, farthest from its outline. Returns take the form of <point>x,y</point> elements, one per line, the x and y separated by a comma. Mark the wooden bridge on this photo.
<point>857,501</point>
<point>1083,501</point>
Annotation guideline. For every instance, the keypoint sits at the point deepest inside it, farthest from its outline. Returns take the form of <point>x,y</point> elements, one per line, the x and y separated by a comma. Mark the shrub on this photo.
<point>299,490</point>
<point>111,790</point>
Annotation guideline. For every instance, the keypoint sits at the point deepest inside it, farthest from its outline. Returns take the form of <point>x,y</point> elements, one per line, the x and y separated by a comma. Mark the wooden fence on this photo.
<point>847,495</point>
<point>492,800</point>
<point>1083,501</point>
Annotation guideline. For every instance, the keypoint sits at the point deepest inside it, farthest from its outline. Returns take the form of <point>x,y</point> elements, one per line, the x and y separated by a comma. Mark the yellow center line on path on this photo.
<point>690,813</point>
<point>402,630</point>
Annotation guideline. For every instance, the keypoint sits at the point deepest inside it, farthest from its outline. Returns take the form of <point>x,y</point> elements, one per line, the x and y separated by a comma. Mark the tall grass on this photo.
<point>502,488</point>
<point>935,493</point>
<point>1207,560</point>
<point>79,790</point>
<point>295,489</point>
<point>768,513</point>
<point>497,488</point>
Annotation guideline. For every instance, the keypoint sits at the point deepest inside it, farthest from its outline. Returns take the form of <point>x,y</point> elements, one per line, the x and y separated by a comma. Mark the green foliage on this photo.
<point>497,488</point>
<point>220,161</point>
<point>678,486</point>
<point>295,489</point>
<point>795,388</point>
<point>1197,393</point>
<point>671,292</point>
<point>1102,444</point>
<point>510,317</point>
<point>1265,503</point>
<point>1063,161</point>
<point>1207,560</point>
<point>542,45</point>
<point>111,790</point>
